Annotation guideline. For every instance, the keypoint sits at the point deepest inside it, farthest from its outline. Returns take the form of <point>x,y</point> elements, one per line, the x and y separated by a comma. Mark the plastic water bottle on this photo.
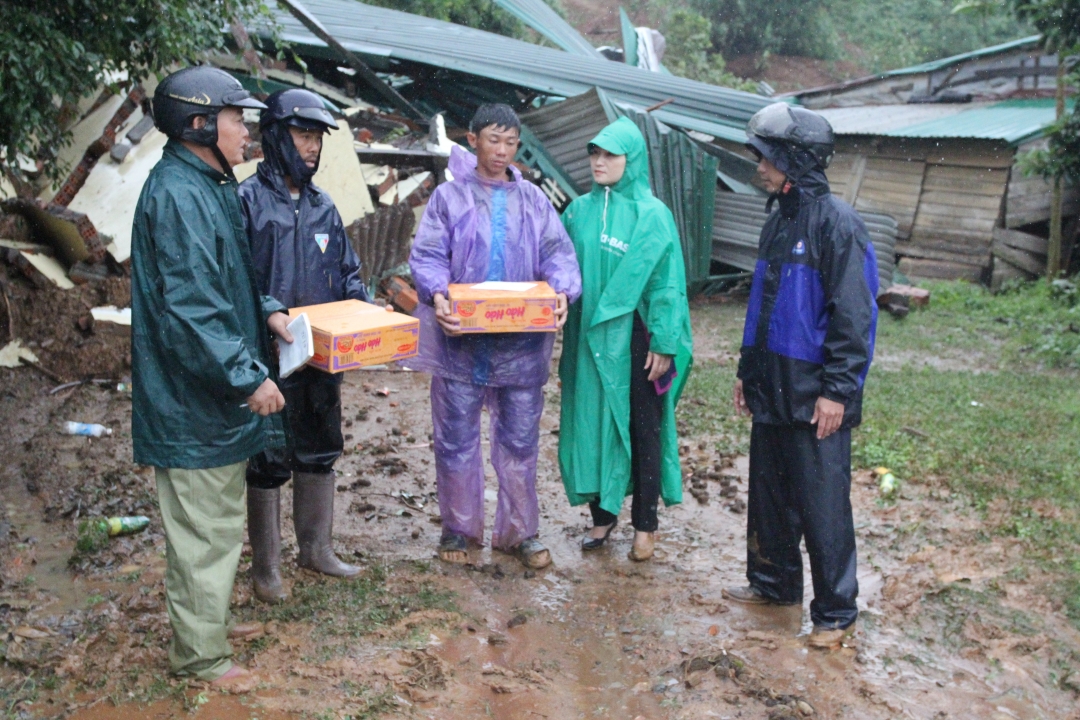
<point>87,429</point>
<point>125,525</point>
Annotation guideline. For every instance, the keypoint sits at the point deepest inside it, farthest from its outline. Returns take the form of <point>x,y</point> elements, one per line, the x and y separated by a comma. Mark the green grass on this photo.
<point>1026,325</point>
<point>351,608</point>
<point>1016,355</point>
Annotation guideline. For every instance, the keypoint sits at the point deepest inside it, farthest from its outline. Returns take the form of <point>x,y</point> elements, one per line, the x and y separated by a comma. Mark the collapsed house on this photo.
<point>407,86</point>
<point>938,146</point>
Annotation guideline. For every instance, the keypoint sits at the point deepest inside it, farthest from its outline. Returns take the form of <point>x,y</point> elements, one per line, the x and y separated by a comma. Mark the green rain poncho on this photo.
<point>628,249</point>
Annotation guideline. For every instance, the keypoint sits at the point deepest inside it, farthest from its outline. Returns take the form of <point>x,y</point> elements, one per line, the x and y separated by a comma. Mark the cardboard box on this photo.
<point>502,310</point>
<point>351,334</point>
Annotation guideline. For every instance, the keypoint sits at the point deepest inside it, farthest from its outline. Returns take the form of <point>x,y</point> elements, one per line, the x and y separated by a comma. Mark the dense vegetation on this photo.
<point>55,52</point>
<point>873,34</point>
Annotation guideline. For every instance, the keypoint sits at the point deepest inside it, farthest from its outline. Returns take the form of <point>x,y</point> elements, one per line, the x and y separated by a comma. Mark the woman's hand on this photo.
<point>657,365</point>
<point>450,324</point>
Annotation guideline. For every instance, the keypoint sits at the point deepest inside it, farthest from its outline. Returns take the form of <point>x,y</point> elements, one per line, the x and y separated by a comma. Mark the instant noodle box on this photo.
<point>502,307</point>
<point>351,334</point>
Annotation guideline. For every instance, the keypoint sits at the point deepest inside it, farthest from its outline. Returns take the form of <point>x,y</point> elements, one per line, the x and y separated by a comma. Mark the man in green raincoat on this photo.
<point>627,344</point>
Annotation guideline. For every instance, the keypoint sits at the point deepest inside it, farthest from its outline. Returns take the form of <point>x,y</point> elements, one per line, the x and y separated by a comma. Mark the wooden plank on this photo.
<point>1021,259</point>
<point>937,269</point>
<point>975,153</point>
<point>961,201</point>
<point>1003,272</point>
<point>955,222</point>
<point>944,249</point>
<point>1022,241</point>
<point>858,173</point>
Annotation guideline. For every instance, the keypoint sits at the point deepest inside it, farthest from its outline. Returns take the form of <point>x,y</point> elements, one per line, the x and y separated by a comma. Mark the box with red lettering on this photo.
<point>502,307</point>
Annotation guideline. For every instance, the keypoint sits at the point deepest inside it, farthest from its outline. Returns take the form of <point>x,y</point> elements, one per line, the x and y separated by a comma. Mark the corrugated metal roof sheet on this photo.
<point>737,223</point>
<point>540,16</point>
<point>1013,121</point>
<point>386,33</point>
<point>927,67</point>
<point>934,65</point>
<point>565,130</point>
<point>880,119</point>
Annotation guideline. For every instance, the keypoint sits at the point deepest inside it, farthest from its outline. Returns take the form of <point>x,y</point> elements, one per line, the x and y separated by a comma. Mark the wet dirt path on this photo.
<point>945,630</point>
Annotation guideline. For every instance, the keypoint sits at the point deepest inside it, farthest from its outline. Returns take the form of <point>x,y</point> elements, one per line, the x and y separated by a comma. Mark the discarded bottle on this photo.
<point>887,482</point>
<point>87,429</point>
<point>124,525</point>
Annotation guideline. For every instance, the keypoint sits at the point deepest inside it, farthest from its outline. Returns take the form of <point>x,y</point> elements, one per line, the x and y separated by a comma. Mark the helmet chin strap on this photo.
<point>226,168</point>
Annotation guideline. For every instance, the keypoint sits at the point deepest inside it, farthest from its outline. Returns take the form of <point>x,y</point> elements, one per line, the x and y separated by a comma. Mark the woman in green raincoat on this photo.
<point>626,345</point>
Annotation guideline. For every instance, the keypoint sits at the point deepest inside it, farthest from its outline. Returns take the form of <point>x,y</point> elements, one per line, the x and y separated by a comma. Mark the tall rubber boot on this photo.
<point>264,531</point>
<point>313,518</point>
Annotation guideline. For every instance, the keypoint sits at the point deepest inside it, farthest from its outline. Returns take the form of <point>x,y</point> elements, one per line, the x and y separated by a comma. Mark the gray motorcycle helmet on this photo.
<point>807,136</point>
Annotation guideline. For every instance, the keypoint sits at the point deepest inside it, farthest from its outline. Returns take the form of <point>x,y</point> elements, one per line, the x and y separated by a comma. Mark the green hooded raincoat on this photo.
<point>630,257</point>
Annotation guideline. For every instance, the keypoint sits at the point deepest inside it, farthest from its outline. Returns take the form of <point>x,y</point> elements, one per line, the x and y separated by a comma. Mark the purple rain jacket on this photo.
<point>475,230</point>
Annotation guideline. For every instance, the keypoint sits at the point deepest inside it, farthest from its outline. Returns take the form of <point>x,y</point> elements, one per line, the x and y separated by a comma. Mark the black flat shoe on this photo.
<point>591,543</point>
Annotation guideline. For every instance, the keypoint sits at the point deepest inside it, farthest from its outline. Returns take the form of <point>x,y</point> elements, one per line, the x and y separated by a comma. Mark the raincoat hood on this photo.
<point>622,137</point>
<point>462,166</point>
<point>282,157</point>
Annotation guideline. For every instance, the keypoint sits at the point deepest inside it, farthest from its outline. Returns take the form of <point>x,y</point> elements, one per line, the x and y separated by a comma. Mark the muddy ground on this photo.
<point>944,631</point>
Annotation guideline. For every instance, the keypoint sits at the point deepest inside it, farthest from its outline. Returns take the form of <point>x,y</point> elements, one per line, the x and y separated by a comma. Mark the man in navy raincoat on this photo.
<point>807,346</point>
<point>301,257</point>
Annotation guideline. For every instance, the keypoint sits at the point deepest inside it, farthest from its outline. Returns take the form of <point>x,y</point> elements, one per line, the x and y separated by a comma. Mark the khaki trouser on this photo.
<point>203,513</point>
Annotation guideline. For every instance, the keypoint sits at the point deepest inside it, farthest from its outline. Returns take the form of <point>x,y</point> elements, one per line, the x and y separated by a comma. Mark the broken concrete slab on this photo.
<point>83,134</point>
<point>110,193</point>
<point>70,233</point>
<point>42,269</point>
<point>97,146</point>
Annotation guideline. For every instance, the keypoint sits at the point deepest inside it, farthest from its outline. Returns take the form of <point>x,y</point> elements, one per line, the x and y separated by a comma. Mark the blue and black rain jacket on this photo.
<point>812,314</point>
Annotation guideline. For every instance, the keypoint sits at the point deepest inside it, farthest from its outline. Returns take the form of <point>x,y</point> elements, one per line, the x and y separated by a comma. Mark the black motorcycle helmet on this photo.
<point>195,91</point>
<point>292,108</point>
<point>794,139</point>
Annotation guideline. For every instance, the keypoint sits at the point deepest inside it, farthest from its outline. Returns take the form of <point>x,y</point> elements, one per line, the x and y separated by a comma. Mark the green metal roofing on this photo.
<point>1014,121</point>
<point>538,15</point>
<point>943,63</point>
<point>387,35</point>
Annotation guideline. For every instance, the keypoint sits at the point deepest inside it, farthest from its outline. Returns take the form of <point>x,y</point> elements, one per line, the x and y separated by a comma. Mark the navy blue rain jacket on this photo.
<point>812,314</point>
<point>300,251</point>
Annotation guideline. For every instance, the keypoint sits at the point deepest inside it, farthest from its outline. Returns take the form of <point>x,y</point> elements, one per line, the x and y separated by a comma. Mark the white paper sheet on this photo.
<point>504,286</point>
<point>294,355</point>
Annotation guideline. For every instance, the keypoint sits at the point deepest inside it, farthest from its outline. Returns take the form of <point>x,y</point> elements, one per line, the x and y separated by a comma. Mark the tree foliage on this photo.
<point>689,51</point>
<point>479,14</point>
<point>55,52</point>
<point>1059,22</point>
<point>878,35</point>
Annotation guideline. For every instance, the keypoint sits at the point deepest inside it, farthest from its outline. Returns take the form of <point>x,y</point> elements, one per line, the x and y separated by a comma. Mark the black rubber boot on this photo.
<point>313,518</point>
<point>264,532</point>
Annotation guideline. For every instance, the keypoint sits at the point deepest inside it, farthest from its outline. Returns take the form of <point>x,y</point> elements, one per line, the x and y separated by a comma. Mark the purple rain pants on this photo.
<point>459,463</point>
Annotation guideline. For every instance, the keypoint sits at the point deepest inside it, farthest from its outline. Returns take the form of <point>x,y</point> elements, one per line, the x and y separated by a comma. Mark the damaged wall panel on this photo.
<point>382,239</point>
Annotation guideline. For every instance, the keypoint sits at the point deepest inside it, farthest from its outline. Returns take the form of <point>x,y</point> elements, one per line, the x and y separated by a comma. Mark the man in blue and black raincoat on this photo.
<point>301,257</point>
<point>807,346</point>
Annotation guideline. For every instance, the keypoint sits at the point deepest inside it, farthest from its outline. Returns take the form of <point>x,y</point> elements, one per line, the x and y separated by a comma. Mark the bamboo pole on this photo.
<point>1053,253</point>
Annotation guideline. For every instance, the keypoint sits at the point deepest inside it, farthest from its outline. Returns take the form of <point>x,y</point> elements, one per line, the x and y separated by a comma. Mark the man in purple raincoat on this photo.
<point>488,224</point>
